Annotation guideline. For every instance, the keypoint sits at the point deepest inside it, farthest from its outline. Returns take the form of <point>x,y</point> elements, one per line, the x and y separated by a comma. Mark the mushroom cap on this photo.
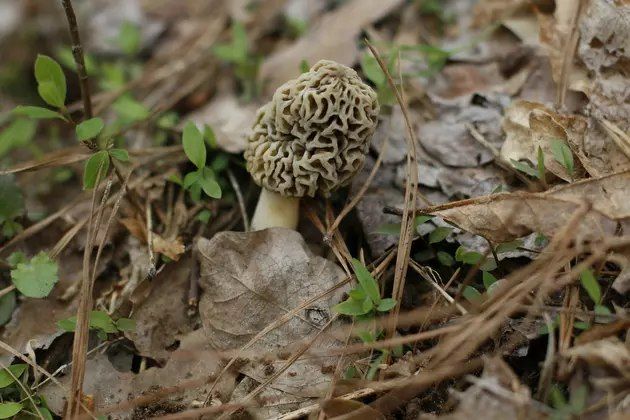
<point>314,134</point>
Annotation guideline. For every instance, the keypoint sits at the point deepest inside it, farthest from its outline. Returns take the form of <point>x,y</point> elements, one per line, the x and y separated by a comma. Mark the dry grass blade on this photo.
<point>406,230</point>
<point>79,348</point>
<point>51,160</point>
<point>570,45</point>
<point>355,200</point>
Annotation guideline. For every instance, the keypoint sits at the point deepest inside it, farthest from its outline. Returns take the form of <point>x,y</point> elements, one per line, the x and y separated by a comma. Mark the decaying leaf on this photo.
<point>113,383</point>
<point>498,394</point>
<point>230,120</point>
<point>507,216</point>
<point>530,125</point>
<point>338,407</point>
<point>252,279</point>
<point>622,282</point>
<point>610,353</point>
<point>158,330</point>
<point>333,38</point>
<point>604,49</point>
<point>172,248</point>
<point>449,140</point>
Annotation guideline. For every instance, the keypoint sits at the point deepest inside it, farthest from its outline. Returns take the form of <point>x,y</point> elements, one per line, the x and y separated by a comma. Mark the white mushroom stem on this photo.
<point>275,210</point>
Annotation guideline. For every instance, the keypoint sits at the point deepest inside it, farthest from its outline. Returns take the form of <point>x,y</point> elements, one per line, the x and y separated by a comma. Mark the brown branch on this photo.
<point>77,53</point>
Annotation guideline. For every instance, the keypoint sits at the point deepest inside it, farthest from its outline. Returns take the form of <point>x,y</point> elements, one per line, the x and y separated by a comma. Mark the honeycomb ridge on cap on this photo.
<point>314,134</point>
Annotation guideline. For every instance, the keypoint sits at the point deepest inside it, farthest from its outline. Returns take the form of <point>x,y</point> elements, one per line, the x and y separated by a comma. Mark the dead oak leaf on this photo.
<point>333,37</point>
<point>249,281</point>
<point>507,216</point>
<point>172,248</point>
<point>611,353</point>
<point>530,125</point>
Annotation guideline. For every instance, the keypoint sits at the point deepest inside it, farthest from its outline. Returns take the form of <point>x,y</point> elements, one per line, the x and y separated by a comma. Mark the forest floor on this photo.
<point>477,265</point>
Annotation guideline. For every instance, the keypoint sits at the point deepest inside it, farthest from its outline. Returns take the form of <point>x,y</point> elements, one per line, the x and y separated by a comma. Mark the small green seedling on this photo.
<point>372,70</point>
<point>563,155</point>
<point>363,302</point>
<point>51,84</point>
<point>204,177</point>
<point>16,403</point>
<point>246,65</point>
<point>563,409</point>
<point>593,289</point>
<point>538,172</point>
<point>129,38</point>
<point>365,298</point>
<point>475,258</point>
<point>394,228</point>
<point>473,295</point>
<point>18,133</point>
<point>12,207</point>
<point>100,322</point>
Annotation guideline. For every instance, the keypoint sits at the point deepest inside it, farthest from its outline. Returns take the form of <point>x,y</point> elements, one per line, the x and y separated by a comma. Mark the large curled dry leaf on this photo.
<point>333,37</point>
<point>604,49</point>
<point>158,331</point>
<point>112,382</point>
<point>507,216</point>
<point>610,353</point>
<point>529,125</point>
<point>252,279</point>
<point>489,395</point>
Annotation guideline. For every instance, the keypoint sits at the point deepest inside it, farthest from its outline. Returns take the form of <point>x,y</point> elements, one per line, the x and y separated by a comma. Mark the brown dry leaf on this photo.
<point>158,330</point>
<point>339,407</point>
<point>136,227</point>
<point>487,12</point>
<point>498,394</point>
<point>609,353</point>
<point>252,279</point>
<point>230,120</point>
<point>507,216</point>
<point>189,367</point>
<point>449,140</point>
<point>172,248</point>
<point>554,34</point>
<point>529,125</point>
<point>604,49</point>
<point>333,38</point>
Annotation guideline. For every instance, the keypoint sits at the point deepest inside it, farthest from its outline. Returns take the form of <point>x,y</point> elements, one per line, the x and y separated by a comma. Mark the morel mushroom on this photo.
<point>310,139</point>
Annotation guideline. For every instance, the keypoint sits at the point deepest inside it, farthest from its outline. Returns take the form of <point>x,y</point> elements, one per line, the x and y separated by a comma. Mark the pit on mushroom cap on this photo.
<point>310,139</point>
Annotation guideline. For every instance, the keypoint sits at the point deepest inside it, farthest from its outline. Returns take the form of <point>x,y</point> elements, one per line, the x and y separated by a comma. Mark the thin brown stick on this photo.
<point>570,46</point>
<point>239,199</point>
<point>7,290</point>
<point>77,53</point>
<point>406,229</point>
<point>81,336</point>
<point>355,200</point>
